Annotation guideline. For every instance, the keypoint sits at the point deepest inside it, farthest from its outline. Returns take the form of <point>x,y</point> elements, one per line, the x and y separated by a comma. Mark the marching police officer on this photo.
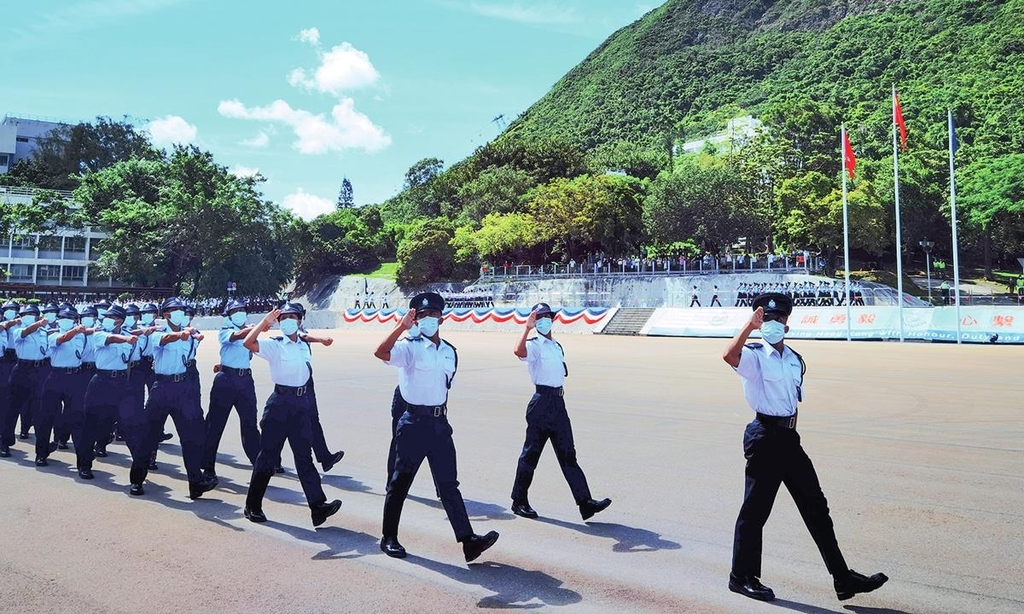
<point>233,387</point>
<point>288,414</point>
<point>546,417</point>
<point>321,451</point>
<point>9,358</point>
<point>172,395</point>
<point>26,379</point>
<point>426,366</point>
<point>107,390</point>
<point>64,389</point>
<point>773,377</point>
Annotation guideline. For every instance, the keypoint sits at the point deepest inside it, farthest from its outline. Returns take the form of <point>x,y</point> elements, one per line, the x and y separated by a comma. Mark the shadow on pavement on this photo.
<point>341,543</point>
<point>863,609</point>
<point>513,587</point>
<point>345,482</point>
<point>630,539</point>
<point>477,510</point>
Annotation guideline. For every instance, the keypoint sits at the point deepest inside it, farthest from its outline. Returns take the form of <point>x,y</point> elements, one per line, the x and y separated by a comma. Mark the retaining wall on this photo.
<point>582,321</point>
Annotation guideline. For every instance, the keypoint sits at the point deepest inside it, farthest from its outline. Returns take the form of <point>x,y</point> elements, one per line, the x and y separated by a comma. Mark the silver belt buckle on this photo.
<point>301,390</point>
<point>790,422</point>
<point>561,391</point>
<point>437,411</point>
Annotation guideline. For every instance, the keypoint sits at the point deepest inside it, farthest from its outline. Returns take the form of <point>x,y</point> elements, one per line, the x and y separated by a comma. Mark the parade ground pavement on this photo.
<point>918,448</point>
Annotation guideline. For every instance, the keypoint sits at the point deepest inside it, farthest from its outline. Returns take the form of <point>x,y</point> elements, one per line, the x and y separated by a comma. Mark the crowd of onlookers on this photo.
<point>598,263</point>
<point>202,307</point>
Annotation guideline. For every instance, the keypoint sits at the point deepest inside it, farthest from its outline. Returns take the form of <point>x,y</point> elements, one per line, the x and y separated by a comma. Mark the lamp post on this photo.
<point>927,247</point>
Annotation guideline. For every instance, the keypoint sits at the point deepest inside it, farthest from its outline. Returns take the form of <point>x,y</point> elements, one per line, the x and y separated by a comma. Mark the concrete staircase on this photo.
<point>628,321</point>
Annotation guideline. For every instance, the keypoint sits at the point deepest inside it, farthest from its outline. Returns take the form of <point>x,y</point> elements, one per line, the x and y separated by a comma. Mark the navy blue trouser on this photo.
<point>107,397</point>
<point>318,441</point>
<point>286,417</point>
<point>177,400</point>
<point>231,390</point>
<point>546,418</point>
<point>775,457</point>
<point>25,385</point>
<point>6,366</point>
<point>422,435</point>
<point>397,409</point>
<point>62,406</point>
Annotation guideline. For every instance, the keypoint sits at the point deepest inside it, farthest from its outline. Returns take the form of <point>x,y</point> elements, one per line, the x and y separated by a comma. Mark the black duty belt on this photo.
<point>176,377</point>
<point>106,373</point>
<point>33,363</point>
<point>67,370</point>
<point>558,391</point>
<point>427,411</point>
<point>10,355</point>
<point>148,359</point>
<point>191,364</point>
<point>291,390</point>
<point>89,366</point>
<point>133,364</point>
<point>782,422</point>
<point>238,372</point>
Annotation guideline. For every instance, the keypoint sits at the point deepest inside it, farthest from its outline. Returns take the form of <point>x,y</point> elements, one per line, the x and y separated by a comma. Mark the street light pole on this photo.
<point>927,247</point>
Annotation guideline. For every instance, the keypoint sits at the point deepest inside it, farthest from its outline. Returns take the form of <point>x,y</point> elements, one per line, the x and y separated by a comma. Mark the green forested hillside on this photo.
<point>593,167</point>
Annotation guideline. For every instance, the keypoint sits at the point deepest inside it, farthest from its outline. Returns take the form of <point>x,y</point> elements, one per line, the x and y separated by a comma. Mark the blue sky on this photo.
<point>306,92</point>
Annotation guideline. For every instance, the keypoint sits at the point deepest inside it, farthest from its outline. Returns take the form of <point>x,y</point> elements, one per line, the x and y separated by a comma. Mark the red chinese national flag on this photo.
<point>897,117</point>
<point>848,157</point>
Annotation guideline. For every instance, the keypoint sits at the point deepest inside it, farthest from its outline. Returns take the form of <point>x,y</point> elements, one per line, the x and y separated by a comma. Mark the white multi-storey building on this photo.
<point>63,261</point>
<point>19,137</point>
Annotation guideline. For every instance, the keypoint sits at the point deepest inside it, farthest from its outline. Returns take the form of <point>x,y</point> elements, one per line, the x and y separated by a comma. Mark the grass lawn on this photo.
<point>386,270</point>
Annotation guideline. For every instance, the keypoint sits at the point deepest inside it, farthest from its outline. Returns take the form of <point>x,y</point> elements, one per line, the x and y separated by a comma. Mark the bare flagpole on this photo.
<point>952,204</point>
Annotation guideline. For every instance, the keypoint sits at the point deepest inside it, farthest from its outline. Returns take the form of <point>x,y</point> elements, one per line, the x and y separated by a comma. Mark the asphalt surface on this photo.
<point>918,447</point>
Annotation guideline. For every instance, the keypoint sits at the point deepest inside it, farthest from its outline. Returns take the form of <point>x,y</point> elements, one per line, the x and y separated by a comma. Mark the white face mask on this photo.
<point>773,332</point>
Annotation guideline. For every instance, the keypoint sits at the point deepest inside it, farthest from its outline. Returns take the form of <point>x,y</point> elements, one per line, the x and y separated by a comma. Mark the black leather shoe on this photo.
<point>136,490</point>
<point>322,512</point>
<point>5,451</point>
<point>152,466</point>
<point>333,460</point>
<point>855,583</point>
<point>101,451</point>
<point>279,469</point>
<point>196,489</point>
<point>210,474</point>
<point>53,446</point>
<point>41,462</point>
<point>750,586</point>
<point>256,516</point>
<point>85,473</point>
<point>166,437</point>
<point>524,510</point>
<point>391,547</point>
<point>22,435</point>
<point>589,508</point>
<point>475,545</point>
<point>62,445</point>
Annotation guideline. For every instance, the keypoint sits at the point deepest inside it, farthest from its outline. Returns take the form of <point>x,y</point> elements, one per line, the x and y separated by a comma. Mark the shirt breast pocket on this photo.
<point>775,383</point>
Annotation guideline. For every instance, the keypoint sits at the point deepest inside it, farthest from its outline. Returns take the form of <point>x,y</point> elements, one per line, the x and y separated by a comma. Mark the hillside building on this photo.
<point>737,133</point>
<point>19,137</point>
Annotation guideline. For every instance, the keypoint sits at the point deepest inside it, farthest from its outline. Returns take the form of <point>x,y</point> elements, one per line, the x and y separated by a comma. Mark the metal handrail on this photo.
<point>23,191</point>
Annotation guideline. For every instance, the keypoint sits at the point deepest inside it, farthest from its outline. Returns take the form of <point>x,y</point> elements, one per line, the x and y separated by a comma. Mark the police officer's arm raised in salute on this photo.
<point>70,334</point>
<point>772,383</point>
<point>31,328</point>
<point>384,349</point>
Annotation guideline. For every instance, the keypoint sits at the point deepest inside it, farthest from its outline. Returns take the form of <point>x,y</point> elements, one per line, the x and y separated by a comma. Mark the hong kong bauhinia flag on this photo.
<point>897,117</point>
<point>849,160</point>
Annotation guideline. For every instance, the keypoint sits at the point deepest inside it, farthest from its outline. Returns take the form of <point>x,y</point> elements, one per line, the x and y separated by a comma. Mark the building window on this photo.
<point>49,243</point>
<point>74,273</point>
<point>23,242</point>
<point>21,272</point>
<point>4,160</point>
<point>74,244</point>
<point>48,271</point>
<point>22,139</point>
<point>95,249</point>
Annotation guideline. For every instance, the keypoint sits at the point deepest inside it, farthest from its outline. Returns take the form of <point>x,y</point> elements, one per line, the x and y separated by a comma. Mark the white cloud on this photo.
<point>243,171</point>
<point>526,13</point>
<point>308,206</point>
<point>171,130</point>
<point>342,68</point>
<point>259,141</point>
<point>310,35</point>
<point>346,128</point>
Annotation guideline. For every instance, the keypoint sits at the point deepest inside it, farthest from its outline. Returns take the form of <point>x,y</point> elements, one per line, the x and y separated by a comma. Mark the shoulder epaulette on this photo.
<point>277,338</point>
<point>528,339</point>
<point>754,345</point>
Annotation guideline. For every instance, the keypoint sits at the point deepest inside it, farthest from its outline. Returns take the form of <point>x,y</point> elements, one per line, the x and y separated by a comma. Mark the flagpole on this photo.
<point>956,245</point>
<point>899,233</point>
<point>846,231</point>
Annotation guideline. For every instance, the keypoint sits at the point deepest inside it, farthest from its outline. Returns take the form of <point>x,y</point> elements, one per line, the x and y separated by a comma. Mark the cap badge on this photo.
<point>426,302</point>
<point>771,304</point>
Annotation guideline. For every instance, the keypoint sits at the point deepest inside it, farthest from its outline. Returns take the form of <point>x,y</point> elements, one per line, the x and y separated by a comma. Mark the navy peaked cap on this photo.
<point>773,302</point>
<point>427,300</point>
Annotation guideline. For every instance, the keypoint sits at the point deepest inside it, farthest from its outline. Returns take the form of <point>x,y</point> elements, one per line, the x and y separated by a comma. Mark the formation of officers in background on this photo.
<point>803,294</point>
<point>87,377</point>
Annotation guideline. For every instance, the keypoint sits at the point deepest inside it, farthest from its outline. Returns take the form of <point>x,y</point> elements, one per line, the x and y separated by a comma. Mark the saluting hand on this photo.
<point>757,319</point>
<point>531,321</point>
<point>409,319</point>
